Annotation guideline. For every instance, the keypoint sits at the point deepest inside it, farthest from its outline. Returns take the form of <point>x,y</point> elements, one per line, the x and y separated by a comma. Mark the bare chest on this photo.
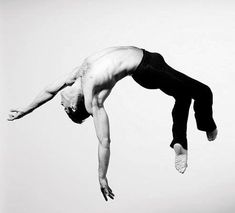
<point>109,69</point>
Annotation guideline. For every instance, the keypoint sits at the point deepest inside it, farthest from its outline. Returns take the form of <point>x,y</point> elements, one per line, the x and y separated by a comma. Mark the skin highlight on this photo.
<point>83,93</point>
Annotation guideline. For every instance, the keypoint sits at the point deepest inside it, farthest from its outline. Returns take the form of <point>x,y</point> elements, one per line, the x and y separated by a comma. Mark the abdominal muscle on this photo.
<point>105,70</point>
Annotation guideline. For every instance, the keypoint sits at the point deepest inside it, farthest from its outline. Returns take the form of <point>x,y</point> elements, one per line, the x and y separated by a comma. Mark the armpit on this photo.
<point>83,69</point>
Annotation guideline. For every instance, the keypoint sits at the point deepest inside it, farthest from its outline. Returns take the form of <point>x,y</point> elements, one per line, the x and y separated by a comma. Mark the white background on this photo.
<point>49,164</point>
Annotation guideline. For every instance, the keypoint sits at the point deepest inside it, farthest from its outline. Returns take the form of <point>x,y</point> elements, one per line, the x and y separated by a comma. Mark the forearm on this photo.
<point>45,95</point>
<point>102,130</point>
<point>104,155</point>
<point>101,122</point>
<point>40,99</point>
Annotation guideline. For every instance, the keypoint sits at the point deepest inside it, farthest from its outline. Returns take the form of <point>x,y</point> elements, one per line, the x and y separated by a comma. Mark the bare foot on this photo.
<point>212,135</point>
<point>181,157</point>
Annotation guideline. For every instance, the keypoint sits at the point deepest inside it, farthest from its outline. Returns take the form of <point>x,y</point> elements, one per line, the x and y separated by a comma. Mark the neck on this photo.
<point>77,86</point>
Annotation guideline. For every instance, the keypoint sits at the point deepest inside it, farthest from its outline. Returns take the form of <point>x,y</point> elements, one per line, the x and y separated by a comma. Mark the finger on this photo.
<point>110,196</point>
<point>113,195</point>
<point>110,191</point>
<point>105,197</point>
<point>11,116</point>
<point>104,193</point>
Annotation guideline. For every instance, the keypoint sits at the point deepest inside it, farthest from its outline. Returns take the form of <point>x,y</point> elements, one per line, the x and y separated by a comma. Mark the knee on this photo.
<point>206,88</point>
<point>104,142</point>
<point>182,105</point>
<point>160,57</point>
<point>206,92</point>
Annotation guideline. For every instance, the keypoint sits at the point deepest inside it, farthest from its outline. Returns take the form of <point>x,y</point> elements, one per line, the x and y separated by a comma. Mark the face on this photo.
<point>73,103</point>
<point>70,98</point>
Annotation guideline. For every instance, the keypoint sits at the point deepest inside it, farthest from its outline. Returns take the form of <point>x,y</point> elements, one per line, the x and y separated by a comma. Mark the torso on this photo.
<point>104,68</point>
<point>101,71</point>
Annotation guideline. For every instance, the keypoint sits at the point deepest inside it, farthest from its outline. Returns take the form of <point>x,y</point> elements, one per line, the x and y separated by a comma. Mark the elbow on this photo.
<point>105,142</point>
<point>48,90</point>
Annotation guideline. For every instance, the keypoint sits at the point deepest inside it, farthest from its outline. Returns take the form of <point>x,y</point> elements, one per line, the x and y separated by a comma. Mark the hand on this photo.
<point>105,189</point>
<point>15,114</point>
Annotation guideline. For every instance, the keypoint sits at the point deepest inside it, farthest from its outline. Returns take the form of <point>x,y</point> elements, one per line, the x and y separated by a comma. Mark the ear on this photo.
<point>73,108</point>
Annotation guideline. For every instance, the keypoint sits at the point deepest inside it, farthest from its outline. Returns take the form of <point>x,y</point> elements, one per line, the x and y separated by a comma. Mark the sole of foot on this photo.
<point>211,136</point>
<point>181,158</point>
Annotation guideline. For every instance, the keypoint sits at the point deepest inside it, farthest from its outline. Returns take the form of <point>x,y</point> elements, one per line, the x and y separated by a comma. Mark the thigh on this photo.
<point>173,86</point>
<point>175,83</point>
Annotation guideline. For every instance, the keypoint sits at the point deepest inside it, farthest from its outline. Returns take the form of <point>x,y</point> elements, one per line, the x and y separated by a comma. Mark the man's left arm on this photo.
<point>101,123</point>
<point>45,95</point>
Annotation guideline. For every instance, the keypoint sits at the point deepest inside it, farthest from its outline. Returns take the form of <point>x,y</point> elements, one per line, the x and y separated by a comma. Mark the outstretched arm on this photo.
<point>45,95</point>
<point>102,130</point>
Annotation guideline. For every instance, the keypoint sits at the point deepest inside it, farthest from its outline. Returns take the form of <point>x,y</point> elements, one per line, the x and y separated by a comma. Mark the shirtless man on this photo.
<point>87,87</point>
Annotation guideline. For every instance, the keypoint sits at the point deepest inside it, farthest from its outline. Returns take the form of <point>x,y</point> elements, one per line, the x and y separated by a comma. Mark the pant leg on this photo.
<point>174,83</point>
<point>203,101</point>
<point>180,118</point>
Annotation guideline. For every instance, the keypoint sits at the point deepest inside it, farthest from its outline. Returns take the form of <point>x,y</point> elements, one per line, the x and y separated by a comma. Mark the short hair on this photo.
<point>80,114</point>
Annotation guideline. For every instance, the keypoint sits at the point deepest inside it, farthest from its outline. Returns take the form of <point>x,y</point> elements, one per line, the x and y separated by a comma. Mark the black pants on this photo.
<point>154,73</point>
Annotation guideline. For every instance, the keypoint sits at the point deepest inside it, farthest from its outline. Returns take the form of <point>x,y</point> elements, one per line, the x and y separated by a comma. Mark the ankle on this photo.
<point>179,149</point>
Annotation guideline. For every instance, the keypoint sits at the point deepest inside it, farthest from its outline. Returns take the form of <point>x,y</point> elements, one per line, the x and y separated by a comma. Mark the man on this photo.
<point>88,86</point>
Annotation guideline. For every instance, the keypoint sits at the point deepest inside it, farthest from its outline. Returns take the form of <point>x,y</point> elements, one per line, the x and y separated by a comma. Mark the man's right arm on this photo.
<point>44,96</point>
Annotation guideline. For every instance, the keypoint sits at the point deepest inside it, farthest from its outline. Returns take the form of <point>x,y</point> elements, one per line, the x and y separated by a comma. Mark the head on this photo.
<point>73,102</point>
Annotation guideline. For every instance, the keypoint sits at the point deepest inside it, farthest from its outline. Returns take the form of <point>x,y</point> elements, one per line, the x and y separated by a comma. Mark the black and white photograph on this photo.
<point>117,106</point>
